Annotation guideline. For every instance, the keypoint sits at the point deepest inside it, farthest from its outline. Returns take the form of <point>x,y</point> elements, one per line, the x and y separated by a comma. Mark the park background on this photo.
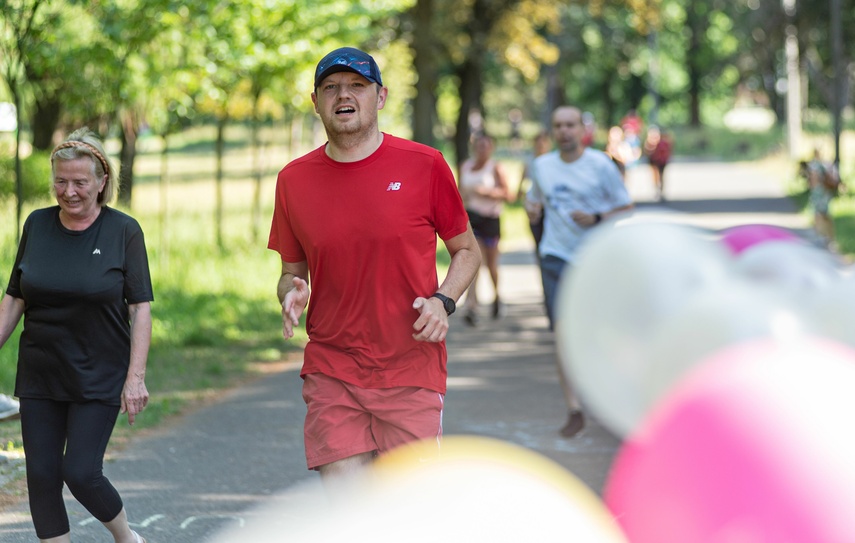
<point>202,102</point>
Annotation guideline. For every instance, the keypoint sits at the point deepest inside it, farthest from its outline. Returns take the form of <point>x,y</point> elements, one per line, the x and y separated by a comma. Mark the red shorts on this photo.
<point>344,420</point>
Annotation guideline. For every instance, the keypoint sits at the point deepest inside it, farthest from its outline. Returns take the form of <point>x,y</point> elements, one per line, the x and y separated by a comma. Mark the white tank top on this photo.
<point>483,177</point>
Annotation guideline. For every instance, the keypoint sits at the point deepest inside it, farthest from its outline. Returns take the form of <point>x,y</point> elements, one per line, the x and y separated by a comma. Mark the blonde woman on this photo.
<point>81,282</point>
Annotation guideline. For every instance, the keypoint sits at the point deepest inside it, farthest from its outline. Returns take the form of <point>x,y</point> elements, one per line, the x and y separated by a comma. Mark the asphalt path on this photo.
<point>212,470</point>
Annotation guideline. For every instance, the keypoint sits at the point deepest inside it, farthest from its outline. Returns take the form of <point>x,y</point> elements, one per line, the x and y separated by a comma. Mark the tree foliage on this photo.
<point>122,65</point>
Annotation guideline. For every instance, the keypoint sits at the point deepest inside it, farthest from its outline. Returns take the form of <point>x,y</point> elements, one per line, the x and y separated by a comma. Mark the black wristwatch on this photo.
<point>447,302</point>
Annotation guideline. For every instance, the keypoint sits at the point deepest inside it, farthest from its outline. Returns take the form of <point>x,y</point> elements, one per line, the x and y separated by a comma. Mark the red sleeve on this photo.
<point>282,238</point>
<point>449,216</point>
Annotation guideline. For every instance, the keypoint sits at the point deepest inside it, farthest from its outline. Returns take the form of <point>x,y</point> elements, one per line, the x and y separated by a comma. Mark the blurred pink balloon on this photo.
<point>739,238</point>
<point>754,446</point>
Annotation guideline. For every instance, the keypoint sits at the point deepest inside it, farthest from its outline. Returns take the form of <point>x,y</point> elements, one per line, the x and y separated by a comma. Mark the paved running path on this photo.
<point>210,470</point>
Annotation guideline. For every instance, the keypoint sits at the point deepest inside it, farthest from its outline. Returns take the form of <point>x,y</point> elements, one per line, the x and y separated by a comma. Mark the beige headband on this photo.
<point>75,143</point>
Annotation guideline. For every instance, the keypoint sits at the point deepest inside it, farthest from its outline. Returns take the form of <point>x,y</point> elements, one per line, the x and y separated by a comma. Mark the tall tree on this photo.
<point>54,67</point>
<point>17,39</point>
<point>127,27</point>
<point>463,41</point>
<point>425,64</point>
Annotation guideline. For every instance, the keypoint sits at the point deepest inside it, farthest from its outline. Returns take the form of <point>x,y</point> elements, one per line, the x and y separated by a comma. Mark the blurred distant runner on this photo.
<point>358,219</point>
<point>484,189</point>
<point>574,188</point>
<point>657,148</point>
<point>824,185</point>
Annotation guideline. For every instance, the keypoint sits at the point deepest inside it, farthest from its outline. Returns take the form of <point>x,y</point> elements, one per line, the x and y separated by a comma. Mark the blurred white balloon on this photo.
<point>626,281</point>
<point>795,266</point>
<point>729,312</point>
<point>831,311</point>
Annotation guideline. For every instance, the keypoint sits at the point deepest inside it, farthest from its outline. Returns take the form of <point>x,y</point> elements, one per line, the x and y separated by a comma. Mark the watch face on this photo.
<point>447,303</point>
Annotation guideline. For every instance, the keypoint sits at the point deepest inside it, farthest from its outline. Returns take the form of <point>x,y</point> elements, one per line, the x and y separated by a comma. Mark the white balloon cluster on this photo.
<point>646,301</point>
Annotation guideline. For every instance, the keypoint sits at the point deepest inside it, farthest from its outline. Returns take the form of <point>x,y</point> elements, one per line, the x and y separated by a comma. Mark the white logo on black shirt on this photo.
<point>96,251</point>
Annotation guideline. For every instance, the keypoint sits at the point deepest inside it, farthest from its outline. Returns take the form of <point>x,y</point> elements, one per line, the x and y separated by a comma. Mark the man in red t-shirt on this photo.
<point>359,218</point>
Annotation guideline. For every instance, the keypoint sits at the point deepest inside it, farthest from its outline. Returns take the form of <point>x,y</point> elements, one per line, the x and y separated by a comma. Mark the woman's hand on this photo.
<point>134,393</point>
<point>134,396</point>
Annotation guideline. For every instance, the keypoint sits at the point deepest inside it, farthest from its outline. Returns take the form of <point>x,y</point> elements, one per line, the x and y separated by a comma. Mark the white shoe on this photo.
<point>9,407</point>
<point>140,539</point>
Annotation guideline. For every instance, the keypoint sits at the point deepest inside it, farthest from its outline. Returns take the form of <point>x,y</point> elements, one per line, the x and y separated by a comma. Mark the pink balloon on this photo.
<point>739,238</point>
<point>754,446</point>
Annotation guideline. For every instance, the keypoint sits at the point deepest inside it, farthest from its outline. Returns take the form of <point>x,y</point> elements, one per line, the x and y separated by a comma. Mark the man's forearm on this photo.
<point>461,272</point>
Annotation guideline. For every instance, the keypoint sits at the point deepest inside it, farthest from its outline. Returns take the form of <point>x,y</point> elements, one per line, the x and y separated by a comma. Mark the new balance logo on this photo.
<point>393,186</point>
<point>96,252</point>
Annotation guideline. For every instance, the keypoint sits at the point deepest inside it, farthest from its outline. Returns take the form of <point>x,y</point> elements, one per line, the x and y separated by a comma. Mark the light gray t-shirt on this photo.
<point>592,184</point>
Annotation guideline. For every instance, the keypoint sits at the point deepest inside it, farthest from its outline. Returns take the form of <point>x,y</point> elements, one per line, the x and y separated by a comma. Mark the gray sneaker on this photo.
<point>9,407</point>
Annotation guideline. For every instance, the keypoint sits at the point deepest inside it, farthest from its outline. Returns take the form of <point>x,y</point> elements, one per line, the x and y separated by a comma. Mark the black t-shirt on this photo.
<point>76,287</point>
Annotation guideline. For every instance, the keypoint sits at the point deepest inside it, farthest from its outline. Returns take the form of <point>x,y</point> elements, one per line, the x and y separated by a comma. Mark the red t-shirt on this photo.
<point>368,231</point>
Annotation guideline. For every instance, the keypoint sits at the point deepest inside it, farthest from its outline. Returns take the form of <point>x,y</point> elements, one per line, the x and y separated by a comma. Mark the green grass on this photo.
<point>724,144</point>
<point>843,211</point>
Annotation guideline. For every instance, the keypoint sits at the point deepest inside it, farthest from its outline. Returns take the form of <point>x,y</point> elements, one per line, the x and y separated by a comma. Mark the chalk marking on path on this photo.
<point>190,520</point>
<point>147,522</point>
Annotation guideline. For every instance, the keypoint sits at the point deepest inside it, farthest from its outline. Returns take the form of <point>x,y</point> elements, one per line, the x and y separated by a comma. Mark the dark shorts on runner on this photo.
<point>344,420</point>
<point>486,229</point>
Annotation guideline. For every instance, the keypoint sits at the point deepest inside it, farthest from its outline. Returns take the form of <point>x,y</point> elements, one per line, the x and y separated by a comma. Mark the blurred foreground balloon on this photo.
<point>726,313</point>
<point>626,281</point>
<point>739,238</point>
<point>798,267</point>
<point>831,311</point>
<point>754,446</point>
<point>477,489</point>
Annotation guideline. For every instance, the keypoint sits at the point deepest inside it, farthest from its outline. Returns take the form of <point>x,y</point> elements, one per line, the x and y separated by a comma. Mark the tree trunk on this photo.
<point>469,90</point>
<point>44,122</point>
<point>609,107</point>
<point>256,171</point>
<point>130,131</point>
<point>555,96</point>
<point>19,181</point>
<point>769,76</point>
<point>697,28</point>
<point>424,60</point>
<point>164,203</point>
<point>220,150</point>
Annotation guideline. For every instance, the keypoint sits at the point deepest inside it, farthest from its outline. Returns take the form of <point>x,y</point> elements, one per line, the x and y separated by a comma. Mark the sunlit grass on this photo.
<point>843,211</point>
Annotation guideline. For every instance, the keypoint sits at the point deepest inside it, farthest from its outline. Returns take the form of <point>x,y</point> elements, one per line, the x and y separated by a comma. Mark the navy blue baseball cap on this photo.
<point>348,59</point>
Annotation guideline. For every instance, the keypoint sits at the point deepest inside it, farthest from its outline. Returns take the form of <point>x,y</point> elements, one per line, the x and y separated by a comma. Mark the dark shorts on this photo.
<point>486,229</point>
<point>537,231</point>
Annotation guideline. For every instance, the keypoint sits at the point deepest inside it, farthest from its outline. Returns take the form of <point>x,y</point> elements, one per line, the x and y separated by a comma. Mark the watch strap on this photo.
<point>447,303</point>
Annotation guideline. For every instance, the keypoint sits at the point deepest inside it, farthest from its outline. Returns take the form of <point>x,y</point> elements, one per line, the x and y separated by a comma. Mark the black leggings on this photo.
<point>82,430</point>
